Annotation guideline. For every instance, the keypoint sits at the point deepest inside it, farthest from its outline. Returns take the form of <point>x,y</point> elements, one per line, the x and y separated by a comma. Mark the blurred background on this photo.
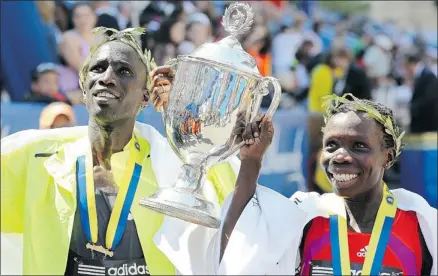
<point>380,50</point>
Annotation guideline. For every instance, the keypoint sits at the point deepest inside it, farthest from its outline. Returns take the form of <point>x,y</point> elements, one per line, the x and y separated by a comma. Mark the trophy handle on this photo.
<point>263,90</point>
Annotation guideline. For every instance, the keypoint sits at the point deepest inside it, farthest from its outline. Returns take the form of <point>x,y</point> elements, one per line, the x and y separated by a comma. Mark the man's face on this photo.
<point>409,69</point>
<point>340,62</point>
<point>47,84</point>
<point>307,48</point>
<point>115,83</point>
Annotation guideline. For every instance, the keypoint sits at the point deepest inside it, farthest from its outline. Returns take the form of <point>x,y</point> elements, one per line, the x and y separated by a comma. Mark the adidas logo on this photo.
<point>132,269</point>
<point>363,252</point>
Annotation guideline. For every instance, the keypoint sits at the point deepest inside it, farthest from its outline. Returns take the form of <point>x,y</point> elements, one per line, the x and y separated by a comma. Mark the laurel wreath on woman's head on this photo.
<point>126,36</point>
<point>333,102</point>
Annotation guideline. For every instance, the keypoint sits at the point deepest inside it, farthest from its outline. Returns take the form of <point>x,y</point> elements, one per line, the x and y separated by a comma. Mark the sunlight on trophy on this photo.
<point>211,87</point>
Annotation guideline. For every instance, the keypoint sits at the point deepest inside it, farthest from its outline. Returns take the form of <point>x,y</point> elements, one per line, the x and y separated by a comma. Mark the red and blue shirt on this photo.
<point>403,255</point>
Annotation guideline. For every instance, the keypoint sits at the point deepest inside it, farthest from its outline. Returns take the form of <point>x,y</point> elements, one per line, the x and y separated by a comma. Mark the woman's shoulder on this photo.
<point>70,36</point>
<point>410,201</point>
<point>301,195</point>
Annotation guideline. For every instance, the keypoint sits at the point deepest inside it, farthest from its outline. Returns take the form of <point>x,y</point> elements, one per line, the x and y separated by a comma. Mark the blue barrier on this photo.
<point>284,168</point>
<point>283,165</point>
<point>418,162</point>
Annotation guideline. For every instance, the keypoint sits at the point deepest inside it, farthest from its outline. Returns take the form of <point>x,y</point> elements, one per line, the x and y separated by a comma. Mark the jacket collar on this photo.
<point>165,163</point>
<point>62,165</point>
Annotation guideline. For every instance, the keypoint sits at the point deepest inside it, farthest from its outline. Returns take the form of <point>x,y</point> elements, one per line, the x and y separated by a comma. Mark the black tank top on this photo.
<point>129,247</point>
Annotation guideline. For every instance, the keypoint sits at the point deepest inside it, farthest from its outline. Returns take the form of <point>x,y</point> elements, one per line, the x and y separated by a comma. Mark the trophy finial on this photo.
<point>238,18</point>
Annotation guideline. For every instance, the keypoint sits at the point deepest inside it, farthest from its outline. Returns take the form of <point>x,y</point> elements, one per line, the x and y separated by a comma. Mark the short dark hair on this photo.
<point>307,42</point>
<point>412,58</point>
<point>341,52</point>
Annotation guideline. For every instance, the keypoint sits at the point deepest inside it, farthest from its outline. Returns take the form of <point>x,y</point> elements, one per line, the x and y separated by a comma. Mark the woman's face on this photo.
<point>178,32</point>
<point>84,18</point>
<point>353,154</point>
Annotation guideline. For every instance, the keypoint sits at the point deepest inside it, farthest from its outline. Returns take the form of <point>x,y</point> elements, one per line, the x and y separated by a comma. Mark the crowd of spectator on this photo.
<point>313,54</point>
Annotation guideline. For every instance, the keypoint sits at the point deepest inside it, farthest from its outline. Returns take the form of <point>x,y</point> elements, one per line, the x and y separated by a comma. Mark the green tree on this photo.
<point>349,7</point>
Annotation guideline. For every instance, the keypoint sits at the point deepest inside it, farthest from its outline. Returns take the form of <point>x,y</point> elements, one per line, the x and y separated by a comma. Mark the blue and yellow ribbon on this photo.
<point>122,205</point>
<point>378,241</point>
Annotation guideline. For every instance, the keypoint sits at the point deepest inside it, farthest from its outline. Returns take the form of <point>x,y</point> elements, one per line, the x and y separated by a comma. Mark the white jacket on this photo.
<point>267,236</point>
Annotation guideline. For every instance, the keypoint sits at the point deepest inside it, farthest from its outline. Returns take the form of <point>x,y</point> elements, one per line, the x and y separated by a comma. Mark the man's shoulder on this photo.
<point>38,139</point>
<point>428,74</point>
<point>149,133</point>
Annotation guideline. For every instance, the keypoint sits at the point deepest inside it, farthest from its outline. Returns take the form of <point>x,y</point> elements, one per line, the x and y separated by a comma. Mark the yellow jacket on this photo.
<point>321,84</point>
<point>38,197</point>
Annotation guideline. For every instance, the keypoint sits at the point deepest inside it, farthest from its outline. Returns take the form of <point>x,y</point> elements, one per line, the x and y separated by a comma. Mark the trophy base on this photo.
<point>182,204</point>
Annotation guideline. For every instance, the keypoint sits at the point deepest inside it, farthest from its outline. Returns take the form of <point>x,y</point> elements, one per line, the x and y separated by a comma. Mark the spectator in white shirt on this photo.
<point>285,46</point>
<point>314,36</point>
<point>378,58</point>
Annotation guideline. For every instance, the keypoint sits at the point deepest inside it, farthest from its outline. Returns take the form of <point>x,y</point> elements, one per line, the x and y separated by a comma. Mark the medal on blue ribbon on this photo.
<point>122,205</point>
<point>378,241</point>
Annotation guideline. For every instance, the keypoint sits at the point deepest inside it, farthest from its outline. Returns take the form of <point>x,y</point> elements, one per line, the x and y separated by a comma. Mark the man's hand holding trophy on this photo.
<point>210,104</point>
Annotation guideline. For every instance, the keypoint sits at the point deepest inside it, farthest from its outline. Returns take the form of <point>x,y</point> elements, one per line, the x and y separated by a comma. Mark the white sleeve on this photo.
<point>185,244</point>
<point>266,237</point>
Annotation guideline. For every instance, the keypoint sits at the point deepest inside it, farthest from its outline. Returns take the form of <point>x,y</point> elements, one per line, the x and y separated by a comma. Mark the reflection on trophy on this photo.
<point>211,86</point>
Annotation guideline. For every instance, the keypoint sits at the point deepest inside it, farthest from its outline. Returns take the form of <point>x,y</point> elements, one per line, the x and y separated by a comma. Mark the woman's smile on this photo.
<point>344,180</point>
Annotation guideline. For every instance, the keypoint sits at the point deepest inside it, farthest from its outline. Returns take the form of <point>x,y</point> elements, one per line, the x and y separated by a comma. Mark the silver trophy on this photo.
<point>211,87</point>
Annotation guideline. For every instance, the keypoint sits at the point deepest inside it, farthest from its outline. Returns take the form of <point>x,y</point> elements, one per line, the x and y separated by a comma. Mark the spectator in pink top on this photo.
<point>76,46</point>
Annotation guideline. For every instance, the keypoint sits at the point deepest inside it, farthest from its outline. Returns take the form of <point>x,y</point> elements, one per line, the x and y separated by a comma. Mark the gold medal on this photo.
<point>378,241</point>
<point>99,248</point>
<point>124,199</point>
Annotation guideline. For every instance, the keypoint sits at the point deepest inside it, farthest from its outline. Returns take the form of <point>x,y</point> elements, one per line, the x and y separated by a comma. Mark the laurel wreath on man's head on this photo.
<point>126,36</point>
<point>333,102</point>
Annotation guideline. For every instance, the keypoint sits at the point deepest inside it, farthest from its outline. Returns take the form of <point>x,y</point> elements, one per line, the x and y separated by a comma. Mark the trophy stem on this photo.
<point>192,178</point>
<point>185,200</point>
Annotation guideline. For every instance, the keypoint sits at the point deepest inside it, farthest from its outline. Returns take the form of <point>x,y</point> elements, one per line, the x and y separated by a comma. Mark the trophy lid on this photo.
<point>237,20</point>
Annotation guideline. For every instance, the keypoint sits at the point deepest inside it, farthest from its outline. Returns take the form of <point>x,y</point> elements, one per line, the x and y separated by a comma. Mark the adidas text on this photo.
<point>129,270</point>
